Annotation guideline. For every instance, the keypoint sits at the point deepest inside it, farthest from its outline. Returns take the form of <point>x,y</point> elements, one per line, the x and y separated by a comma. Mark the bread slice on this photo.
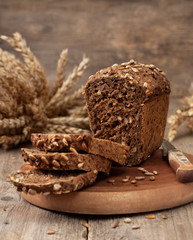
<point>56,182</point>
<point>128,104</point>
<point>66,161</point>
<point>81,142</point>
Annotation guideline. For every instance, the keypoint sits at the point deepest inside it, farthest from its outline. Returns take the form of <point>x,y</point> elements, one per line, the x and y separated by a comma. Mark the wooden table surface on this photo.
<point>158,32</point>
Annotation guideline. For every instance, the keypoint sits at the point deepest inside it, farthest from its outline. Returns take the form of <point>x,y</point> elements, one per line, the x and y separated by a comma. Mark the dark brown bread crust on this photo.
<point>46,182</point>
<point>81,142</point>
<point>66,161</point>
<point>127,103</point>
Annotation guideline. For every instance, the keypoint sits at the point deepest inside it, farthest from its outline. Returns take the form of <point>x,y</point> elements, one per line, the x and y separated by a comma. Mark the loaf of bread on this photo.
<point>66,161</point>
<point>128,104</point>
<point>56,182</point>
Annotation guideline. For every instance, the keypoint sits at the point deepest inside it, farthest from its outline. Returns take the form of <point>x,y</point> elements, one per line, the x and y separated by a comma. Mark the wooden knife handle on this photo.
<point>181,165</point>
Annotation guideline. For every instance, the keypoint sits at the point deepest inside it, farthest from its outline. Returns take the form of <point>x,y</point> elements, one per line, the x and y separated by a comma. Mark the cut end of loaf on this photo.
<point>127,103</point>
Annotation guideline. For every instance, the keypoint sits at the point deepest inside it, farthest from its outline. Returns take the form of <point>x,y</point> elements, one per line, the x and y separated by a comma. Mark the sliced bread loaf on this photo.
<point>66,161</point>
<point>57,182</point>
<point>81,143</point>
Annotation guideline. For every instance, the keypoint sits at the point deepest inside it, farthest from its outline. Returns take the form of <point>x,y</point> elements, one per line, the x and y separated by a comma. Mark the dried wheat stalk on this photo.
<point>60,72</point>
<point>182,114</point>
<point>28,105</point>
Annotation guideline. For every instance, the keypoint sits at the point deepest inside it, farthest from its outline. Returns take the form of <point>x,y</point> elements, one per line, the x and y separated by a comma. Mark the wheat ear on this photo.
<point>15,76</point>
<point>60,72</point>
<point>34,67</point>
<point>67,86</point>
<point>12,141</point>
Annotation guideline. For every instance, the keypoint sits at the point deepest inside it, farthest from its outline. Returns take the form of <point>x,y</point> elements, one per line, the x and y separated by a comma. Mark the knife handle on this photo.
<point>181,165</point>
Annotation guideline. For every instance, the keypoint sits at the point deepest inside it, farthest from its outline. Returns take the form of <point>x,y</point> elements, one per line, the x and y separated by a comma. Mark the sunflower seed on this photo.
<point>55,163</point>
<point>73,150</point>
<point>133,181</point>
<point>135,227</point>
<point>45,160</point>
<point>127,220</point>
<point>155,172</point>
<point>152,178</point>
<point>139,178</point>
<point>124,180</point>
<point>57,187</point>
<point>149,174</point>
<point>80,165</point>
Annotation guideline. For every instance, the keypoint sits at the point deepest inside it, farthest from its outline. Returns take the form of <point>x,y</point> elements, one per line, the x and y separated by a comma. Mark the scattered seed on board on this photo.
<point>164,217</point>
<point>50,232</point>
<point>134,227</point>
<point>141,169</point>
<point>124,180</point>
<point>127,220</point>
<point>149,174</point>
<point>150,217</point>
<point>140,178</point>
<point>133,181</point>
<point>152,178</point>
<point>85,224</point>
<point>116,223</point>
<point>155,172</point>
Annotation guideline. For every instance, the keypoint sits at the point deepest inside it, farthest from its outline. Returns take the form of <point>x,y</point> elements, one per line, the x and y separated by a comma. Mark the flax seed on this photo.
<point>150,217</point>
<point>116,223</point>
<point>51,232</point>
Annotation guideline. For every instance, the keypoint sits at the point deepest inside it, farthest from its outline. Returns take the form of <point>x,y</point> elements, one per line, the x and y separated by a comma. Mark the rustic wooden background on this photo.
<point>158,32</point>
<point>108,32</point>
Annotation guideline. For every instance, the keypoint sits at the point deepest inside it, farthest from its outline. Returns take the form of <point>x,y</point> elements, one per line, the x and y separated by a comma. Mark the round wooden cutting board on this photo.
<point>104,198</point>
